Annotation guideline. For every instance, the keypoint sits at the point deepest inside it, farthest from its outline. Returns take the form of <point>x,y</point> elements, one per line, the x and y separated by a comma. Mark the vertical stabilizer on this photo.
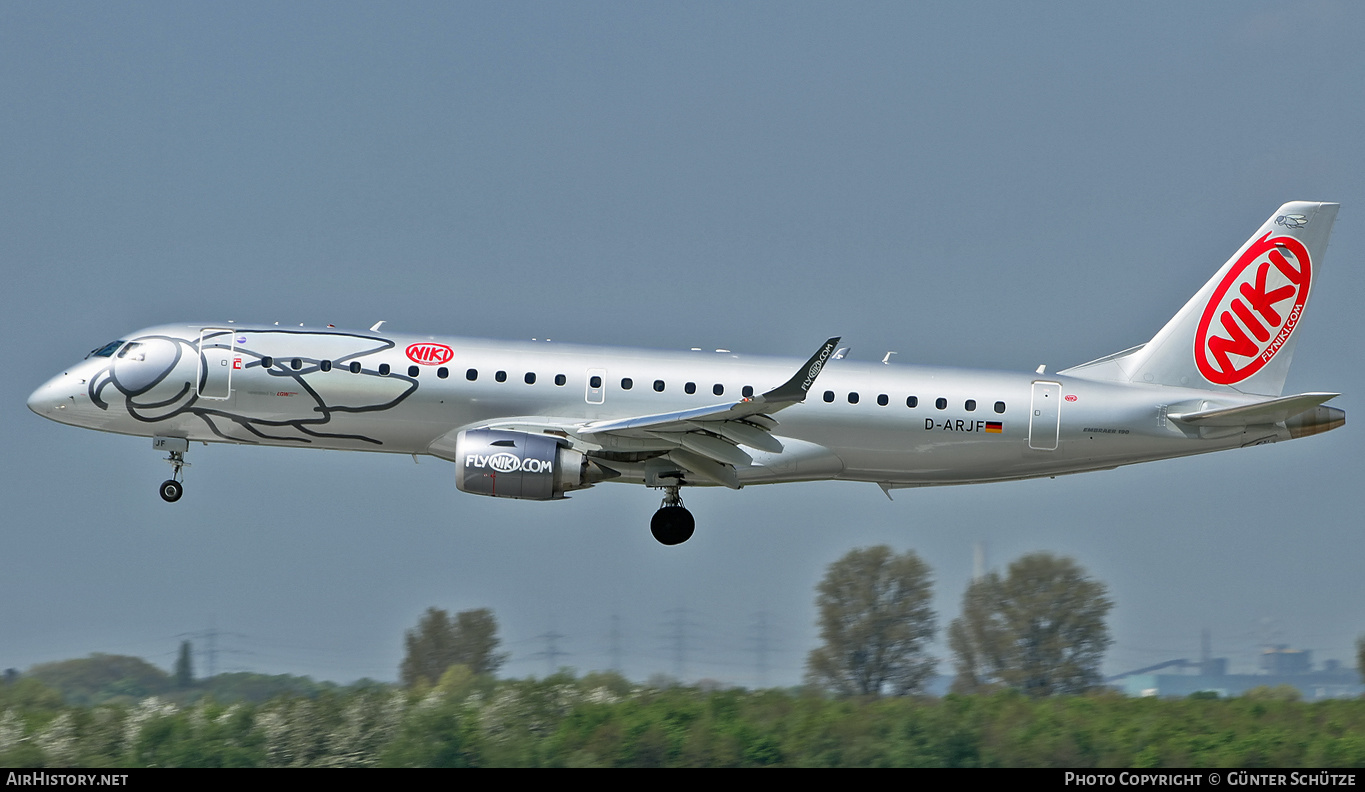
<point>1238,332</point>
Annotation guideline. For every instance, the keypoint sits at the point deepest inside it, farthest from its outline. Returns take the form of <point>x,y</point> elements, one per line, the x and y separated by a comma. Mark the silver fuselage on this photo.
<point>897,425</point>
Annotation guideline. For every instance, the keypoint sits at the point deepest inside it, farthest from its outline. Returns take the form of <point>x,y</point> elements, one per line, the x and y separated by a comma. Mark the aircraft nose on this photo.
<point>50,399</point>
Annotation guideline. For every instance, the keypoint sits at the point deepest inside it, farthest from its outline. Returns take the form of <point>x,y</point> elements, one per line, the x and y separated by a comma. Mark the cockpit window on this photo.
<point>107,350</point>
<point>133,351</point>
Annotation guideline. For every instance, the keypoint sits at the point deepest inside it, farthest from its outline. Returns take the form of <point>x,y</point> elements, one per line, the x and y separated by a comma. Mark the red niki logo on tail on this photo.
<point>1254,310</point>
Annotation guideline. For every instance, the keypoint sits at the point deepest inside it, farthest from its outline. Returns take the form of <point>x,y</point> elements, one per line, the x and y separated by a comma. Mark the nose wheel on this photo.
<point>672,524</point>
<point>171,490</point>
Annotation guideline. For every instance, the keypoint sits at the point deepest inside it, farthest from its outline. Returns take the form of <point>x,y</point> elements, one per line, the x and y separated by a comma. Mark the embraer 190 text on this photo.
<point>537,420</point>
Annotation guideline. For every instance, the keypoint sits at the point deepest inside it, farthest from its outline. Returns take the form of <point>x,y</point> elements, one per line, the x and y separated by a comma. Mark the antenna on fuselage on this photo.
<point>375,329</point>
<point>887,359</point>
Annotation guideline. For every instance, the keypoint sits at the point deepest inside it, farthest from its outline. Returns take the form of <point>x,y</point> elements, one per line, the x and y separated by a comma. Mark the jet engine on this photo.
<point>507,464</point>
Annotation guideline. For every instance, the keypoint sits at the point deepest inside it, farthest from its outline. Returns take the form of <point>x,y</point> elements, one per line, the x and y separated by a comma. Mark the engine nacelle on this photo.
<point>506,464</point>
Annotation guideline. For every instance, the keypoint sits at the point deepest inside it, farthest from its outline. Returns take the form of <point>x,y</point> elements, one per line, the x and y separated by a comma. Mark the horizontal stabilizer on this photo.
<point>1266,412</point>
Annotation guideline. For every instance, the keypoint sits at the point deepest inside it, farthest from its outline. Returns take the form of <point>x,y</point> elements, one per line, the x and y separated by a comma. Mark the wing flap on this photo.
<point>706,469</point>
<point>709,446</point>
<point>744,434</point>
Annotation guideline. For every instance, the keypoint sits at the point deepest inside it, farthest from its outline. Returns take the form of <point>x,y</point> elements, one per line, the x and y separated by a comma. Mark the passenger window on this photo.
<point>595,382</point>
<point>530,378</point>
<point>626,383</point>
<point>829,396</point>
<point>970,405</point>
<point>325,365</point>
<point>560,379</point>
<point>718,389</point>
<point>500,376</point>
<point>1000,407</point>
<point>267,361</point>
<point>747,391</point>
<point>355,367</point>
<point>883,400</point>
<point>659,386</point>
<point>690,387</point>
<point>941,403</point>
<point>912,401</point>
<point>383,369</point>
<point>471,374</point>
<point>413,371</point>
<point>442,372</point>
<point>296,364</point>
<point>852,397</point>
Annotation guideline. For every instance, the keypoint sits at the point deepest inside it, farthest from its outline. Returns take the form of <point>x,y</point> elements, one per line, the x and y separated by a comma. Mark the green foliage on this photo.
<point>243,686</point>
<point>102,677</point>
<point>600,720</point>
<point>876,623</point>
<point>30,694</point>
<point>207,735</point>
<point>1277,693</point>
<point>438,732</point>
<point>1040,630</point>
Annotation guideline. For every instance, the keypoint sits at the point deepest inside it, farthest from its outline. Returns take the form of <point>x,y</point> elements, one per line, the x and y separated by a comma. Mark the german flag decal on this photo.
<point>994,427</point>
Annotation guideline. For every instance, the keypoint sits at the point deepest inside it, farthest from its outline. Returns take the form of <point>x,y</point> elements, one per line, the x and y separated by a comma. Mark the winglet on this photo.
<point>794,389</point>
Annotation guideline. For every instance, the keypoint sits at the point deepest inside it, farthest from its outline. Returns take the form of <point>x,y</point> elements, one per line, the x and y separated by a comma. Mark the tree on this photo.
<point>184,667</point>
<point>102,677</point>
<point>439,642</point>
<point>1039,630</point>
<point>875,621</point>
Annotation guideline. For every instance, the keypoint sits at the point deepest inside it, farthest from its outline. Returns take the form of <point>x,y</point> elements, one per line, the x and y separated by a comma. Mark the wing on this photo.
<point>706,441</point>
<point>703,442</point>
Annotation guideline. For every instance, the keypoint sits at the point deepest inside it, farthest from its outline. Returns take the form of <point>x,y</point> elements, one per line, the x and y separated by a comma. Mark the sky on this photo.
<point>993,185</point>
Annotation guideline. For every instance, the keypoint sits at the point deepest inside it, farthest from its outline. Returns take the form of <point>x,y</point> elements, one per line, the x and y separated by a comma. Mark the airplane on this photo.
<point>537,420</point>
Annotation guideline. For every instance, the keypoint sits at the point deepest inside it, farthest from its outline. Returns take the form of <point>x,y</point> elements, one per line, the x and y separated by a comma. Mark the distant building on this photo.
<point>1282,660</point>
<point>1279,665</point>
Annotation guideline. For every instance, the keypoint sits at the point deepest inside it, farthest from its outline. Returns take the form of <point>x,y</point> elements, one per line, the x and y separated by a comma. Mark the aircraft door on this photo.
<point>218,358</point>
<point>1045,416</point>
<point>597,386</point>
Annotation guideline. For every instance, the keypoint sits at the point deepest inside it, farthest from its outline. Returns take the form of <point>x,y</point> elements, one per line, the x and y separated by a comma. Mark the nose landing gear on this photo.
<point>172,488</point>
<point>672,524</point>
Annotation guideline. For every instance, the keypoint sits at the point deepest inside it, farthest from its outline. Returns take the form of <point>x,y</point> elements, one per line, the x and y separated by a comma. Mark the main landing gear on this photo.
<point>172,488</point>
<point>672,524</point>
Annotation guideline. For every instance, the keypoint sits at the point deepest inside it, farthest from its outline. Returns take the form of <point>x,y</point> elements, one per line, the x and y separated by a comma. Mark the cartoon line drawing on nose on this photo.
<point>161,378</point>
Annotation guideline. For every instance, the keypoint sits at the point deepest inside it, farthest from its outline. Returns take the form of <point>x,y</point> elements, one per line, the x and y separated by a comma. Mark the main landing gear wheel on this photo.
<point>171,490</point>
<point>672,524</point>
